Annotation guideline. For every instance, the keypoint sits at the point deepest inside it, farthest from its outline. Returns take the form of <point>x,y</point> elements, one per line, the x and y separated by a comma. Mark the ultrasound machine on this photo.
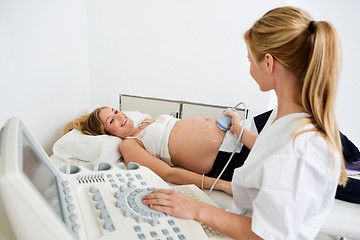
<point>95,201</point>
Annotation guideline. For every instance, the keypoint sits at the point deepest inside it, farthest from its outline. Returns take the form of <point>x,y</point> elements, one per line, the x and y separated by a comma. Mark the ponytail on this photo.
<point>320,85</point>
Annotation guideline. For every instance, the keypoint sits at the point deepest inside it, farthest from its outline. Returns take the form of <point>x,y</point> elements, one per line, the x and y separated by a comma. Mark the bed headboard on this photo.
<point>176,108</point>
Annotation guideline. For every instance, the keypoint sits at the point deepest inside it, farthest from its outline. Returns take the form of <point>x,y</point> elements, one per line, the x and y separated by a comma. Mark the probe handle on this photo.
<point>224,121</point>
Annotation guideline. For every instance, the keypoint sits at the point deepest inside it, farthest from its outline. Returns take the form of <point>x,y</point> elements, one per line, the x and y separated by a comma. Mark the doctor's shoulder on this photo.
<point>311,146</point>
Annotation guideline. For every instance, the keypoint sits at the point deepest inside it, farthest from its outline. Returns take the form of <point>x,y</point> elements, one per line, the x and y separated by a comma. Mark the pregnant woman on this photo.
<point>164,144</point>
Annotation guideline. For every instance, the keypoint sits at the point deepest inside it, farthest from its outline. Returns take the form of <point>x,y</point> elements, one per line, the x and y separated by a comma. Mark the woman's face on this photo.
<point>116,122</point>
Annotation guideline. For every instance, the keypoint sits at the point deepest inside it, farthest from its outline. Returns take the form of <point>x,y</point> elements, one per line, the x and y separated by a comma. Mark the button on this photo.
<point>73,217</point>
<point>122,188</point>
<point>65,183</point>
<point>176,229</point>
<point>119,204</point>
<point>132,204</point>
<point>136,209</point>
<point>127,213</point>
<point>103,214</point>
<point>117,194</point>
<point>132,166</point>
<point>96,197</point>
<point>71,207</point>
<point>145,213</point>
<point>171,222</point>
<point>153,234</point>
<point>107,225</point>
<point>68,198</point>
<point>139,219</point>
<point>154,222</point>
<point>93,189</point>
<point>111,228</point>
<point>100,205</point>
<point>156,215</point>
<point>137,229</point>
<point>76,227</point>
<point>165,232</point>
<point>121,165</point>
<point>181,237</point>
<point>141,236</point>
<point>66,190</point>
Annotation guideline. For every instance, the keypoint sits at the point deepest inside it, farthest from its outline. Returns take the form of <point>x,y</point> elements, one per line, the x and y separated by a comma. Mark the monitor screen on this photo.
<point>40,174</point>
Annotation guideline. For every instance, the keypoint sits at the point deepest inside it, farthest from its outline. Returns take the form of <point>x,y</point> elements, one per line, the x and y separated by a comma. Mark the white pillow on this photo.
<point>77,146</point>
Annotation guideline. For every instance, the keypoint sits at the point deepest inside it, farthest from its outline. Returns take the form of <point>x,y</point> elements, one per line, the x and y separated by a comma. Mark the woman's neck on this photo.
<point>289,99</point>
<point>288,108</point>
<point>133,133</point>
<point>136,130</point>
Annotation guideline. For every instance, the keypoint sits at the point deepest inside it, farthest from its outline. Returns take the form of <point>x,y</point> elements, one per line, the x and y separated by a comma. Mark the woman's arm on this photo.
<point>133,151</point>
<point>248,138</point>
<point>178,205</point>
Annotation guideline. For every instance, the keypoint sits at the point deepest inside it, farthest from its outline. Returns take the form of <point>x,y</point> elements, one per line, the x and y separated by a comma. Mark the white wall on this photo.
<point>187,50</point>
<point>44,76</point>
<point>193,50</point>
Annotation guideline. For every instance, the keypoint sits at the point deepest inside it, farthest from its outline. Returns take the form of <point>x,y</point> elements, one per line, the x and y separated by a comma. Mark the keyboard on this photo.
<point>193,191</point>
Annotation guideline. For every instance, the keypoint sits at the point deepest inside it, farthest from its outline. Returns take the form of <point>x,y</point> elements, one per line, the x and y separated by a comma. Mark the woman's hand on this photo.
<point>172,202</point>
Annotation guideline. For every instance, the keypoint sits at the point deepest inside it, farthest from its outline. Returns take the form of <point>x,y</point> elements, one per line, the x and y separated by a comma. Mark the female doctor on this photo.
<point>287,185</point>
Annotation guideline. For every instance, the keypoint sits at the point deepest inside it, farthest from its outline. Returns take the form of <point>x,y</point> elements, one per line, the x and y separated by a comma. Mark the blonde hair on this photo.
<point>89,124</point>
<point>311,51</point>
<point>76,124</point>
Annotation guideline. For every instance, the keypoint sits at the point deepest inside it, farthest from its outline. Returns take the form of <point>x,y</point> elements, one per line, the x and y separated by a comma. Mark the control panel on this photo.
<point>105,202</point>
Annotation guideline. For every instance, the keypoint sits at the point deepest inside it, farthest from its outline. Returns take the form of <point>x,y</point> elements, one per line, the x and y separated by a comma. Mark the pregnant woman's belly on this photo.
<point>194,143</point>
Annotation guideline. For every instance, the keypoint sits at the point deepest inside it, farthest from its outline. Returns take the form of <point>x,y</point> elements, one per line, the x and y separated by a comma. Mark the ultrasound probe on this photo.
<point>224,123</point>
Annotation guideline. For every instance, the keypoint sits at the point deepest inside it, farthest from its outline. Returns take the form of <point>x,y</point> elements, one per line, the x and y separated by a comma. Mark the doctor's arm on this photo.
<point>248,138</point>
<point>133,151</point>
<point>178,205</point>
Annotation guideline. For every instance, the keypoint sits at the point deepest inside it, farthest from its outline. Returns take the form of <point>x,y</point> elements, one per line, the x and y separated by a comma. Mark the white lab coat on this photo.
<point>287,187</point>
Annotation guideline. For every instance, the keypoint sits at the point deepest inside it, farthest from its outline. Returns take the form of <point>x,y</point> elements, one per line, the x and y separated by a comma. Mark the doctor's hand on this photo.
<point>172,202</point>
<point>235,126</point>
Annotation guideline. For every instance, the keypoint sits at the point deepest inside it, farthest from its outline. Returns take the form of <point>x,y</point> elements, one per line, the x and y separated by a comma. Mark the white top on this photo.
<point>287,187</point>
<point>155,137</point>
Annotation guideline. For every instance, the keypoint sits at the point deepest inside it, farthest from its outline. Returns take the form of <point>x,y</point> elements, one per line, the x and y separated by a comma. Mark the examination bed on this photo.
<point>342,222</point>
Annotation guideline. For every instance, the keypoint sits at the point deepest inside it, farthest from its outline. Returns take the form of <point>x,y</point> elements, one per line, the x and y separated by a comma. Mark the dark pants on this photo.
<point>222,158</point>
